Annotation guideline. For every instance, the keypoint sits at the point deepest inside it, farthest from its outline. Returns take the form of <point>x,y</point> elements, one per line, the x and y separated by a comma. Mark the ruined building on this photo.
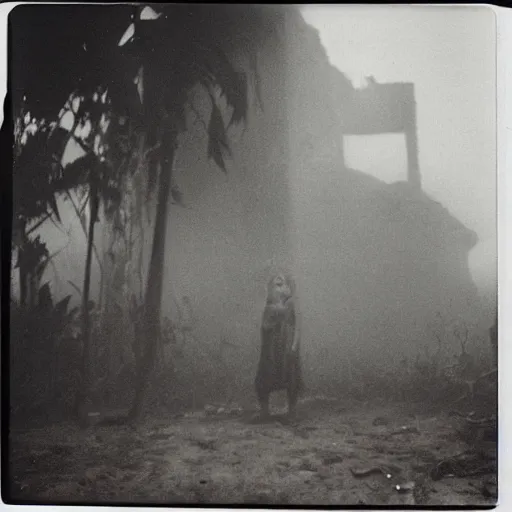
<point>375,262</point>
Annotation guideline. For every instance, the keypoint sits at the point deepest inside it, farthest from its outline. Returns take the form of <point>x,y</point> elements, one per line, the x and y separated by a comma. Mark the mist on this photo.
<point>447,59</point>
<point>391,250</point>
<point>287,200</point>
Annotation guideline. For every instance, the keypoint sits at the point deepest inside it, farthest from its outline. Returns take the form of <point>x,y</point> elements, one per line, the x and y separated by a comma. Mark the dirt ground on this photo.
<point>334,453</point>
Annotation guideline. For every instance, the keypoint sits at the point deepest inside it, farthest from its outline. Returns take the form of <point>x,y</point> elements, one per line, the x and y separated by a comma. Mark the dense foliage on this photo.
<point>117,82</point>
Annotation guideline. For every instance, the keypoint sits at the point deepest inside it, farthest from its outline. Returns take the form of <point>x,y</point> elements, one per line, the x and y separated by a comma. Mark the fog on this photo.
<point>448,53</point>
<point>375,263</point>
<point>328,299</point>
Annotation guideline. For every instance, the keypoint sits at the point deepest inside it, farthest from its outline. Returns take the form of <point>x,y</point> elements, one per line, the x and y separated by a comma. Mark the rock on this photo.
<point>405,487</point>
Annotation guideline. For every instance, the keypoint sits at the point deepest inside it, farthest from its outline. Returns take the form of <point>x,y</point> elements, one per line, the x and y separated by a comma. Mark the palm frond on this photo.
<point>217,139</point>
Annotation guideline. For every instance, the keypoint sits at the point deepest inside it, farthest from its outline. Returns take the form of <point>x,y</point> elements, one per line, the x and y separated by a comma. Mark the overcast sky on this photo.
<point>449,53</point>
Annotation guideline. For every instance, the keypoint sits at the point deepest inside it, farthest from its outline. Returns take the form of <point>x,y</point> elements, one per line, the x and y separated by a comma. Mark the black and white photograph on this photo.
<point>250,255</point>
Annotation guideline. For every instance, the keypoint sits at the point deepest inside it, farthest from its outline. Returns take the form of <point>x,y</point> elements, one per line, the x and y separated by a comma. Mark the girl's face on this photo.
<point>279,289</point>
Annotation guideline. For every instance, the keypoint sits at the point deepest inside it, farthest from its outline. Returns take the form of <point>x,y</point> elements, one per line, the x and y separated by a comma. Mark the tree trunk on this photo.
<point>21,260</point>
<point>84,394</point>
<point>153,299</point>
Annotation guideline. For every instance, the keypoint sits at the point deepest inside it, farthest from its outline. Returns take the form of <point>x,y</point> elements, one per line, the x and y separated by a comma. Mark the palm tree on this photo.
<point>180,49</point>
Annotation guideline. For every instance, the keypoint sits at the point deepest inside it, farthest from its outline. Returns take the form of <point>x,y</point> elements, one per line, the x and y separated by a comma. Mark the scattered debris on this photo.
<point>364,472</point>
<point>463,465</point>
<point>490,488</point>
<point>195,414</point>
<point>210,410</point>
<point>204,444</point>
<point>301,432</point>
<point>228,461</point>
<point>404,494</point>
<point>405,487</point>
<point>461,414</point>
<point>346,430</point>
<point>218,410</point>
<point>323,473</point>
<point>380,421</point>
<point>332,459</point>
<point>405,430</point>
<point>93,418</point>
<point>307,465</point>
<point>478,433</point>
<point>482,421</point>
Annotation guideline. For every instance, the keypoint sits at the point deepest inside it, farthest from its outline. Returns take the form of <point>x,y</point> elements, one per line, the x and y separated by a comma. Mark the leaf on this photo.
<point>215,152</point>
<point>217,143</point>
<point>45,297</point>
<point>238,99</point>
<point>83,220</point>
<point>232,84</point>
<point>53,205</point>
<point>75,173</point>
<point>149,14</point>
<point>39,270</point>
<point>73,312</point>
<point>62,306</point>
<point>128,34</point>
<point>49,257</point>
